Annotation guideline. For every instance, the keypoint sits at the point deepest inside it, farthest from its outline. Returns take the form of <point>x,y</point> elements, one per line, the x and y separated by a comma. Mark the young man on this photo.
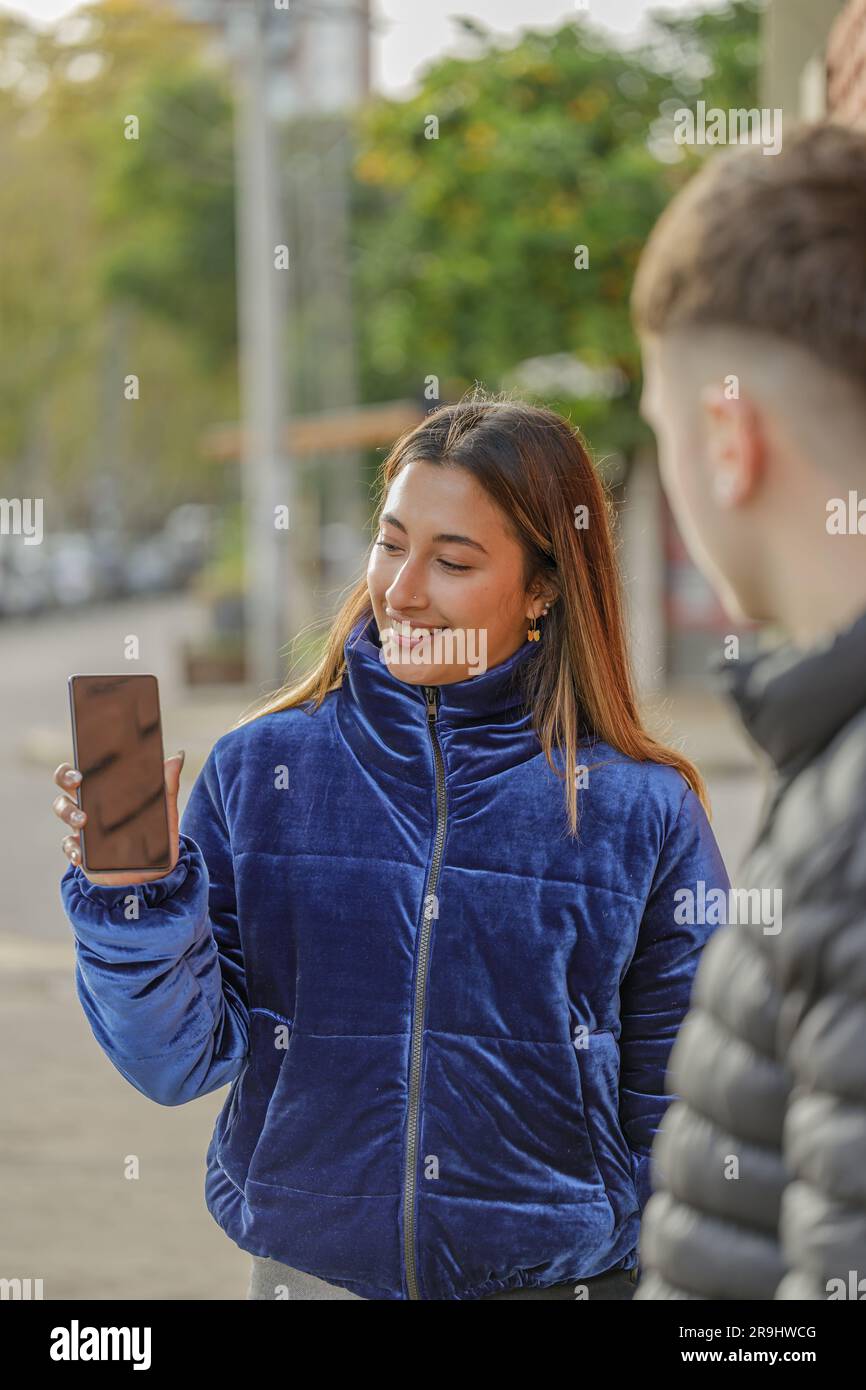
<point>750,303</point>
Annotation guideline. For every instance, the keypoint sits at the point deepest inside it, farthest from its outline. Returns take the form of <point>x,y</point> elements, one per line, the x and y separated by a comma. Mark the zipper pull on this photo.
<point>431,692</point>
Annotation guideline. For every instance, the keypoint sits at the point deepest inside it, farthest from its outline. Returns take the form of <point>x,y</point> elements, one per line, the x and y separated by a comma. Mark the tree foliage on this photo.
<point>474,194</point>
<point>118,253</point>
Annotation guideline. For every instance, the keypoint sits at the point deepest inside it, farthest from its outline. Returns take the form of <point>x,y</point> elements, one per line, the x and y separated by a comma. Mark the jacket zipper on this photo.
<point>416,1040</point>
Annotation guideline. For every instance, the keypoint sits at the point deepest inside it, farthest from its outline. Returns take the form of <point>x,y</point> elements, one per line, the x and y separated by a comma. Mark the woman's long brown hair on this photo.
<point>535,466</point>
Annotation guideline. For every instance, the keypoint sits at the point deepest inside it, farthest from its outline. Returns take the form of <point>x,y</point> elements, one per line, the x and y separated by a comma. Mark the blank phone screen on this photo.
<point>118,751</point>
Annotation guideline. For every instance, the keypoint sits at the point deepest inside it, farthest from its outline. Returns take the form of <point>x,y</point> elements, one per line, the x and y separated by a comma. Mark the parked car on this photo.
<point>25,579</point>
<point>73,567</point>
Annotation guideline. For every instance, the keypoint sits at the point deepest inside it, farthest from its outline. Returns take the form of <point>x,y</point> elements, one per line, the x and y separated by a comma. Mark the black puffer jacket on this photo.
<point>759,1165</point>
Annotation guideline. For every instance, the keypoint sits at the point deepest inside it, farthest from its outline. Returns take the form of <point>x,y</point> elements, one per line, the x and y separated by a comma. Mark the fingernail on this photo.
<point>73,778</point>
<point>76,817</point>
<point>181,753</point>
<point>74,855</point>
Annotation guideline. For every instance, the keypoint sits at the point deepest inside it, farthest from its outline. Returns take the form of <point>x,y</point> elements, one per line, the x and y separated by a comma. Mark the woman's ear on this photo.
<point>538,606</point>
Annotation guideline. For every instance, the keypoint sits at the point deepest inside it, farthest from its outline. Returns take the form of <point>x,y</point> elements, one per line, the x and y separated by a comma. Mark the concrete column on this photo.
<point>642,559</point>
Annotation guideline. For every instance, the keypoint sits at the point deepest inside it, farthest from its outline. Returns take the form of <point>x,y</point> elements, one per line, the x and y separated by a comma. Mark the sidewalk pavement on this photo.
<point>705,727</point>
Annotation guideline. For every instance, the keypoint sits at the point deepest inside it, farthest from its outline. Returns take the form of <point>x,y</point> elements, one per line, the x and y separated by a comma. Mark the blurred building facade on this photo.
<point>846,66</point>
<point>795,35</point>
<point>814,68</point>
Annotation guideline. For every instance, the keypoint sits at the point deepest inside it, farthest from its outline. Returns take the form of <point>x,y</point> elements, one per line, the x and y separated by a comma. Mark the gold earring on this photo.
<point>533,635</point>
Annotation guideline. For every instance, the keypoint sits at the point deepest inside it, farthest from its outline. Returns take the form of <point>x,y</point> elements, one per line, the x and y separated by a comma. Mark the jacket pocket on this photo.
<point>244,1117</point>
<point>598,1069</point>
<point>586,1109</point>
<point>505,1116</point>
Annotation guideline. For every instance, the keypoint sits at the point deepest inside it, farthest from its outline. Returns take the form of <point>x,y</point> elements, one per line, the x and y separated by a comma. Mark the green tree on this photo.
<point>122,258</point>
<point>465,242</point>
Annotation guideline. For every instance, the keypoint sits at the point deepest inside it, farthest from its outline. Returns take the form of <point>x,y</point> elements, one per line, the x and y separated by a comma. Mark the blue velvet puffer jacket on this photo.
<point>446,1023</point>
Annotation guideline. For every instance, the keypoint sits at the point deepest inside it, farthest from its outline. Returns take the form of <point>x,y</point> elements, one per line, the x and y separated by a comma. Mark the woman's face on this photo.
<point>443,559</point>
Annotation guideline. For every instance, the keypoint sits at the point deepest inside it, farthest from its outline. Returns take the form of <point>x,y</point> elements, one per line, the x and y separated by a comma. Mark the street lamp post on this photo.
<point>272,599</point>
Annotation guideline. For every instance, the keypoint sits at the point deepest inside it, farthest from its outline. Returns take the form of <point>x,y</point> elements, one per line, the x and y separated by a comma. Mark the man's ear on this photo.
<point>735,445</point>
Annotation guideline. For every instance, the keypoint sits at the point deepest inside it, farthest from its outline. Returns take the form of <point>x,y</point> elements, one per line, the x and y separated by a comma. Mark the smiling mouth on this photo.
<point>416,633</point>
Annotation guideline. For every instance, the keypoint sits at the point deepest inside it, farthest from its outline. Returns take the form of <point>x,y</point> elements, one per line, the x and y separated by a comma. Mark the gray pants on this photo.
<point>270,1279</point>
<point>273,1280</point>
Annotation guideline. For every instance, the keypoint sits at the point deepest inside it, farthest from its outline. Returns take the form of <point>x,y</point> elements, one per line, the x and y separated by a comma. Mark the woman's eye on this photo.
<point>390,547</point>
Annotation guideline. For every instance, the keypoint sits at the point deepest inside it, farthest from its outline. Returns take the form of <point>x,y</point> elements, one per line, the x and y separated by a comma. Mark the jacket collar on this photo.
<point>385,718</point>
<point>793,702</point>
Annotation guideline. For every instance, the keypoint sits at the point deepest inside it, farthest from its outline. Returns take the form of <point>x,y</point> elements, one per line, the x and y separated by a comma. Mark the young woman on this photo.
<point>424,911</point>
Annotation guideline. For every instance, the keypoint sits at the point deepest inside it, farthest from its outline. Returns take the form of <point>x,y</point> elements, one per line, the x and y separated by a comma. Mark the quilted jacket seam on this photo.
<point>502,1037</point>
<point>570,883</point>
<point>338,1196</point>
<point>536,1201</point>
<point>154,1056</point>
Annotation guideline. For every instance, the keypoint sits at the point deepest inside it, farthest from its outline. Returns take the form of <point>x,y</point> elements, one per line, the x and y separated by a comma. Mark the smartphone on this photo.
<point>117,742</point>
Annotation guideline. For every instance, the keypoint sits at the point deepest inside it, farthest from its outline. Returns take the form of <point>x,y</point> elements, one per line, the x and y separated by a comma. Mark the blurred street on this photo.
<point>69,1216</point>
<point>269,263</point>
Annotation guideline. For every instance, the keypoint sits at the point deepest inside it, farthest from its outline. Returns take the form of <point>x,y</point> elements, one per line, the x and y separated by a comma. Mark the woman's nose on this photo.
<point>404,594</point>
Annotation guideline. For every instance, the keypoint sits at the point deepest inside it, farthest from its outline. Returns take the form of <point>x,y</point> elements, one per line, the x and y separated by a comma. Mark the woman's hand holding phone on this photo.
<point>69,778</point>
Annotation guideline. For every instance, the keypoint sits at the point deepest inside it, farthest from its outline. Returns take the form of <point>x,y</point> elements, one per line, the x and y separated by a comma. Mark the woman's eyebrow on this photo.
<point>448,536</point>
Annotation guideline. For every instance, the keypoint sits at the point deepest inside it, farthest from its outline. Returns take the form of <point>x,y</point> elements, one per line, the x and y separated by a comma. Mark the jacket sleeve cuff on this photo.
<point>150,894</point>
<point>170,913</point>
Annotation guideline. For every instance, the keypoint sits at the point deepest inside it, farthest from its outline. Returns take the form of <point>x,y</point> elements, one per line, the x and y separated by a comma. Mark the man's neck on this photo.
<point>815,601</point>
